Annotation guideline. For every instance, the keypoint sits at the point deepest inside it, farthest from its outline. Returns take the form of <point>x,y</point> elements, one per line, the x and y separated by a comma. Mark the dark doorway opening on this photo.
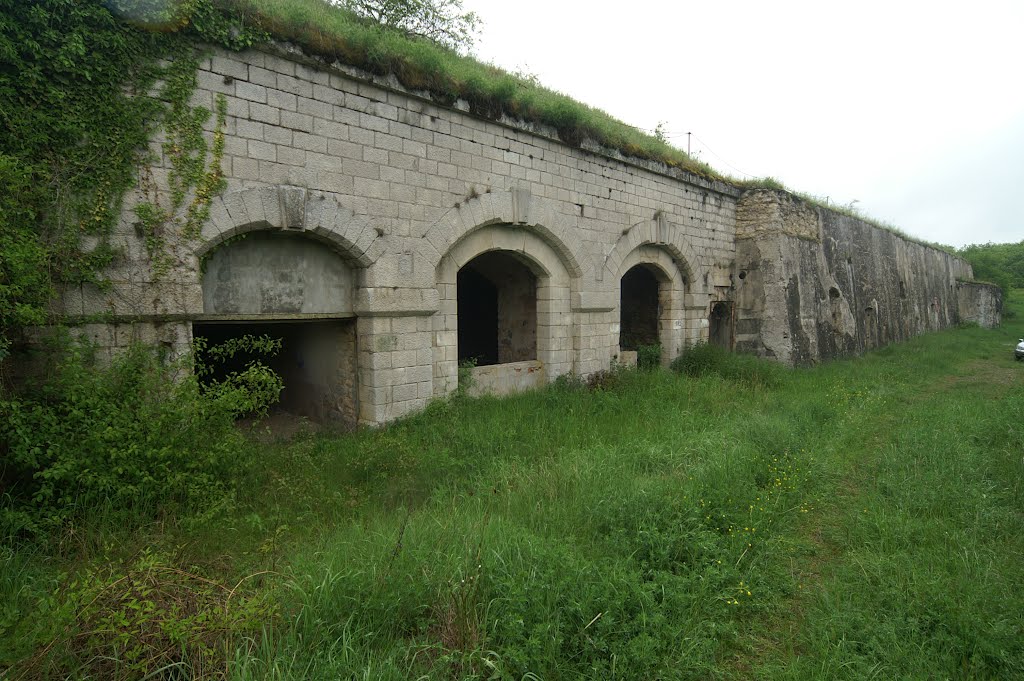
<point>721,331</point>
<point>639,309</point>
<point>497,310</point>
<point>478,318</point>
<point>317,364</point>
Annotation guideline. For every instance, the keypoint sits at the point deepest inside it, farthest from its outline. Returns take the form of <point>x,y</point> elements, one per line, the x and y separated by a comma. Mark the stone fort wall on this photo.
<point>388,196</point>
<point>813,284</point>
<point>406,192</point>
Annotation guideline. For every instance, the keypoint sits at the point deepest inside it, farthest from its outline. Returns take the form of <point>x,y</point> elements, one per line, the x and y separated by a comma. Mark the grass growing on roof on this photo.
<point>335,33</point>
<point>491,92</point>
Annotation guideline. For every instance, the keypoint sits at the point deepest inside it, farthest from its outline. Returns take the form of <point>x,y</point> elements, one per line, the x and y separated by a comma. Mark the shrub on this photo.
<point>465,376</point>
<point>139,433</point>
<point>705,359</point>
<point>602,380</point>
<point>605,379</point>
<point>570,382</point>
<point>147,618</point>
<point>648,356</point>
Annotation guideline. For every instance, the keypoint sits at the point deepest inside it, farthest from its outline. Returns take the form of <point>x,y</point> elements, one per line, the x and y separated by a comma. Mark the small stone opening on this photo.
<point>317,364</point>
<point>835,303</point>
<point>721,325</point>
<point>497,310</point>
<point>639,308</point>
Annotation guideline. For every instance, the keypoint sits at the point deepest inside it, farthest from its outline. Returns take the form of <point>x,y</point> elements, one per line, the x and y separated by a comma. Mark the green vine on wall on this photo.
<point>78,83</point>
<point>212,181</point>
<point>196,175</point>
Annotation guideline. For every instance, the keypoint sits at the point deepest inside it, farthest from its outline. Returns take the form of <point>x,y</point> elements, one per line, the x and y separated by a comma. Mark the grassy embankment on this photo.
<point>490,91</point>
<point>855,520</point>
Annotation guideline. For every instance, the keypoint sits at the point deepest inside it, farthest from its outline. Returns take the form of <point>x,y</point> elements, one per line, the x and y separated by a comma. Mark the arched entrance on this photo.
<point>639,309</point>
<point>655,308</point>
<point>497,310</point>
<point>504,312</point>
<point>651,313</point>
<point>296,289</point>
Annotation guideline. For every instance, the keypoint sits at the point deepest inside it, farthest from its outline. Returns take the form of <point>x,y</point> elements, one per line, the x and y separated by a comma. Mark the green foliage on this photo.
<point>83,93</point>
<point>194,178</point>
<point>465,376</point>
<point>1000,264</point>
<point>147,618</point>
<point>705,359</point>
<point>71,127</point>
<point>25,288</point>
<point>441,21</point>
<point>648,356</point>
<point>859,518</point>
<point>143,433</point>
<point>249,392</point>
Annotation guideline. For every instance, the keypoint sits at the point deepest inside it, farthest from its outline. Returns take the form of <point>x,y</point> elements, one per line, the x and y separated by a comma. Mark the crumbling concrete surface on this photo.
<point>814,284</point>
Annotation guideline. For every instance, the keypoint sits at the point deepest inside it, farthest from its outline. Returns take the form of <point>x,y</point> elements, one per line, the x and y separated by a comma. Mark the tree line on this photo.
<point>1001,264</point>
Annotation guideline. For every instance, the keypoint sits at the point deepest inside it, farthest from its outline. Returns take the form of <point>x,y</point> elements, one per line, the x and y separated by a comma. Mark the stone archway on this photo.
<point>297,290</point>
<point>278,262</point>
<point>665,318</point>
<point>666,237</point>
<point>523,265</point>
<point>294,210</point>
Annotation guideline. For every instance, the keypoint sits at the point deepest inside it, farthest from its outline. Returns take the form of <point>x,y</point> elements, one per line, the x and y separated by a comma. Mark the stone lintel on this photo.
<point>386,301</point>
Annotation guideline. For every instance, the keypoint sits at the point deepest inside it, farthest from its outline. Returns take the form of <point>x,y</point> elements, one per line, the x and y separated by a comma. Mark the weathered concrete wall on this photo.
<point>980,304</point>
<point>273,273</point>
<point>506,379</point>
<point>813,284</point>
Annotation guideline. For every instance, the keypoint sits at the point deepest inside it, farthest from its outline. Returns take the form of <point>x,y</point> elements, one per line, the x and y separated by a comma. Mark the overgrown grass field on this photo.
<point>735,520</point>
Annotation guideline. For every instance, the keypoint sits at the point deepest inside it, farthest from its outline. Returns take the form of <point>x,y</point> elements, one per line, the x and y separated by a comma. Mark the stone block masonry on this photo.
<point>377,199</point>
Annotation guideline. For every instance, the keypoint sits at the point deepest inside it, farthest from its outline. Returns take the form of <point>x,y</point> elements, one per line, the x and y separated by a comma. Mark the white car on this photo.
<point>1019,352</point>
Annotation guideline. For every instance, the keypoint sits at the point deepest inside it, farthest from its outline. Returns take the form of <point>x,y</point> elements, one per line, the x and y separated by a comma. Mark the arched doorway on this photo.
<point>299,291</point>
<point>639,309</point>
<point>497,310</point>
<point>505,317</point>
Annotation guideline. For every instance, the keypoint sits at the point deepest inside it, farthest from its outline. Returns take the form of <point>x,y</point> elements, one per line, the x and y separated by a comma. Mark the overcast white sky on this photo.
<point>913,109</point>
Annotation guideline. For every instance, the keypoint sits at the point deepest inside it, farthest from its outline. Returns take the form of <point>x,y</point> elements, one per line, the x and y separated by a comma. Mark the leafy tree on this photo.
<point>1001,264</point>
<point>441,21</point>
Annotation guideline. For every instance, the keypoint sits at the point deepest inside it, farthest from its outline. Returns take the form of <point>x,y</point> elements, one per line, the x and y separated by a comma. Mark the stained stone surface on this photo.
<point>348,196</point>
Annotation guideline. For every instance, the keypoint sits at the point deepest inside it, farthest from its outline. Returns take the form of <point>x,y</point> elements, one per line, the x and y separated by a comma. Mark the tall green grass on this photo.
<point>848,521</point>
